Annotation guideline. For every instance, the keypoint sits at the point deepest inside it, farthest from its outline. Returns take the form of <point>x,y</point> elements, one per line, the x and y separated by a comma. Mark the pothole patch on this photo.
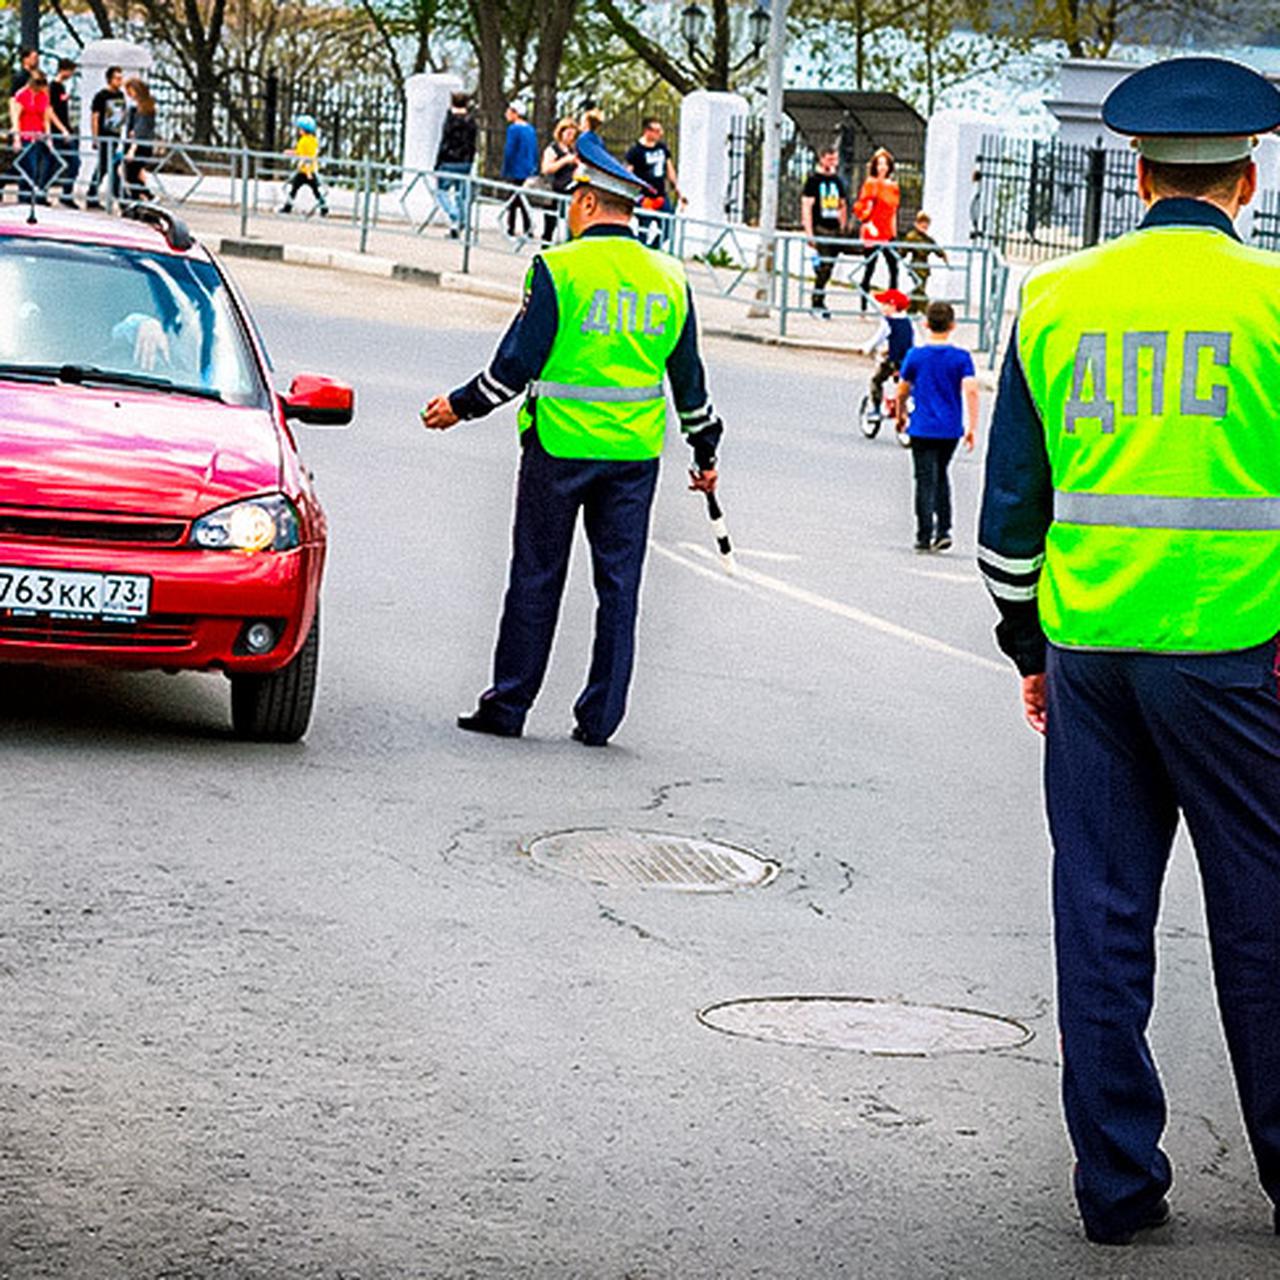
<point>860,1024</point>
<point>651,860</point>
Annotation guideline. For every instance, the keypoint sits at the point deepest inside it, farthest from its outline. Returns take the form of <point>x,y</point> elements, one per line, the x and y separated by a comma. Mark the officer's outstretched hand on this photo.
<point>703,481</point>
<point>438,414</point>
<point>1034,701</point>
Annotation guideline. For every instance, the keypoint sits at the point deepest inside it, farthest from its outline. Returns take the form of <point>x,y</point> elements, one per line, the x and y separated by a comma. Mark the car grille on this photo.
<point>77,528</point>
<point>161,631</point>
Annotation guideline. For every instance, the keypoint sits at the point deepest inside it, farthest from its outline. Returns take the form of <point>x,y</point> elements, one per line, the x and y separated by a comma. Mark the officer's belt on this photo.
<point>1150,511</point>
<point>571,391</point>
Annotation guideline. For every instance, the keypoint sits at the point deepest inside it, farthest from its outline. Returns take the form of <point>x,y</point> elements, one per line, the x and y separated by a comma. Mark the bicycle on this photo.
<point>869,421</point>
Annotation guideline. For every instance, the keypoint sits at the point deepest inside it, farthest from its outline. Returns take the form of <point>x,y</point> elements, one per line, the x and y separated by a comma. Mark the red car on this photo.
<point>154,511</point>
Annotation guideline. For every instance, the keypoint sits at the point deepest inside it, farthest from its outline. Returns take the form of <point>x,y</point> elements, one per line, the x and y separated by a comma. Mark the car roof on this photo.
<point>71,225</point>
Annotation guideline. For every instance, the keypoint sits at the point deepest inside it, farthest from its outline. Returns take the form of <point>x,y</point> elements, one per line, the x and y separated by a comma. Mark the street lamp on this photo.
<point>693,25</point>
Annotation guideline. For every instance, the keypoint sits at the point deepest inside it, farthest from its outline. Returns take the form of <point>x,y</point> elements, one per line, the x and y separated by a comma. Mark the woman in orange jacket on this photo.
<point>876,208</point>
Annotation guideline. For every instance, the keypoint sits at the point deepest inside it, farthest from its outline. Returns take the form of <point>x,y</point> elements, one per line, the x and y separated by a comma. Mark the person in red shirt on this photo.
<point>876,208</point>
<point>32,120</point>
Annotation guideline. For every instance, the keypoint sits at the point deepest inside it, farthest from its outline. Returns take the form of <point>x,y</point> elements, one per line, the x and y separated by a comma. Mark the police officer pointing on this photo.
<point>1132,517</point>
<point>604,318</point>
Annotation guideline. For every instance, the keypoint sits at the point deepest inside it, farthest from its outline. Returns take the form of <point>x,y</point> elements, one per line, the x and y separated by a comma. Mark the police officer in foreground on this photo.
<point>604,318</point>
<point>1132,517</point>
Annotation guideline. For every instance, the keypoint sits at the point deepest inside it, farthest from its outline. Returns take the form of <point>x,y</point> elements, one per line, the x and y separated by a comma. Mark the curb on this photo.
<point>367,264</point>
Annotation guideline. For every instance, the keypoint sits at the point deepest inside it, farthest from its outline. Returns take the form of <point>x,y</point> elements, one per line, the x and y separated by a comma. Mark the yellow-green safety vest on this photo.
<point>621,308</point>
<point>1154,361</point>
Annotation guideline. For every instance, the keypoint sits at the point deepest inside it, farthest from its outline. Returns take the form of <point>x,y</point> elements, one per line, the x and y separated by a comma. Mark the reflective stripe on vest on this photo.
<point>1152,361</point>
<point>621,308</point>
<point>1143,511</point>
<point>602,395</point>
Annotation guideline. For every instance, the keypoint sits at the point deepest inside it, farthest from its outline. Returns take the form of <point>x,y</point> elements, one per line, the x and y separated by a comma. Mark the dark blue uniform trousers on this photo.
<point>615,498</point>
<point>1134,739</point>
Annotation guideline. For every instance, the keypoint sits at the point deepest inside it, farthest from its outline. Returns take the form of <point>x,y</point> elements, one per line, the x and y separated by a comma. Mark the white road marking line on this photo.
<point>860,616</point>
<point>718,575</point>
<point>781,557</point>
<point>941,575</point>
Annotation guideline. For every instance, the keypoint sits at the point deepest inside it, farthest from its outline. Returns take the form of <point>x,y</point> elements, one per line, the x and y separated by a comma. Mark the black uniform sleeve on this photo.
<point>520,355</point>
<point>1017,509</point>
<point>698,419</point>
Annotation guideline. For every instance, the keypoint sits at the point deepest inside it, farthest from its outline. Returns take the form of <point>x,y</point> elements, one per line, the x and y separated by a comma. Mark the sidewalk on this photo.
<point>497,270</point>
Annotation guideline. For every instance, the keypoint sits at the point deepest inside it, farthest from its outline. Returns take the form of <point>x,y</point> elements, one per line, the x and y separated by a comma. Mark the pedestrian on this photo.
<point>591,121</point>
<point>559,164</point>
<point>106,122</point>
<point>1130,534</point>
<point>876,208</point>
<point>824,205</point>
<point>66,143</point>
<point>940,380</point>
<point>604,318</point>
<point>28,62</point>
<point>894,339</point>
<point>519,163</point>
<point>33,123</point>
<point>306,172</point>
<point>649,158</point>
<point>924,247</point>
<point>140,136</point>
<point>456,157</point>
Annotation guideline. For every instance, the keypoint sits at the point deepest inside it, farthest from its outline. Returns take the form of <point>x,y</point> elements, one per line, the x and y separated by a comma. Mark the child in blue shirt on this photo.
<point>940,378</point>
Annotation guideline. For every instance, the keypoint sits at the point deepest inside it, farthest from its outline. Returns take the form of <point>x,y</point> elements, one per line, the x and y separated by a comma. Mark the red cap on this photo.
<point>894,298</point>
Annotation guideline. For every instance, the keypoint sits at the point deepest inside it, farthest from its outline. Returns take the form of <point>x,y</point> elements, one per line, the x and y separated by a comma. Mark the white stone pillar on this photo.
<point>712,190</point>
<point>95,58</point>
<point>426,103</point>
<point>951,156</point>
<point>1267,157</point>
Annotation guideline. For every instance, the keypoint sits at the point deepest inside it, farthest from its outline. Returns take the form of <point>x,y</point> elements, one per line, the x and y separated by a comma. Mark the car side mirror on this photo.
<point>319,401</point>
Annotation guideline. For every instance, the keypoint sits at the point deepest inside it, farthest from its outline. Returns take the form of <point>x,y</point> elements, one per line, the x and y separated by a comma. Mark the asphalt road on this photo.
<point>309,1012</point>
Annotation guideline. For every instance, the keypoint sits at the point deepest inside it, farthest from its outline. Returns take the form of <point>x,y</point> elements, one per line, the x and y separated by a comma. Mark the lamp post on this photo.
<point>693,27</point>
<point>760,305</point>
<point>30,24</point>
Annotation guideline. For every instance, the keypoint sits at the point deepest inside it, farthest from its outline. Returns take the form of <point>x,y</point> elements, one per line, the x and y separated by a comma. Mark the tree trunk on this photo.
<point>487,21</point>
<point>721,40</point>
<point>554,31</point>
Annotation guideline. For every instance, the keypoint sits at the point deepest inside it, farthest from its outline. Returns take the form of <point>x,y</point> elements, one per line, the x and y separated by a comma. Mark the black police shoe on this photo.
<point>481,722</point>
<point>579,734</point>
<point>1154,1217</point>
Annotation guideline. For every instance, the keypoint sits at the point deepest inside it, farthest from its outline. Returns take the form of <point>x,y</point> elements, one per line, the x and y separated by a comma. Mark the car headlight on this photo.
<point>258,524</point>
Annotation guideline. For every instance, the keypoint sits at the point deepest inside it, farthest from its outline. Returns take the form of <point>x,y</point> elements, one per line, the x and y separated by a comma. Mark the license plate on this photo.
<point>75,594</point>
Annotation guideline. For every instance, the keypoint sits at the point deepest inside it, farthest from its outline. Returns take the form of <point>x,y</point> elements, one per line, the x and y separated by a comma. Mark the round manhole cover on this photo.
<point>651,860</point>
<point>886,1027</point>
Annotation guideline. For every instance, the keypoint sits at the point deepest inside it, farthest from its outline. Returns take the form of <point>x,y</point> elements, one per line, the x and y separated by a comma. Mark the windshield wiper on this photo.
<point>29,372</point>
<point>81,373</point>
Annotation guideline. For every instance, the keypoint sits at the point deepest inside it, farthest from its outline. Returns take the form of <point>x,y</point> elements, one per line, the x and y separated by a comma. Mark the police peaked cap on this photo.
<point>1193,110</point>
<point>597,168</point>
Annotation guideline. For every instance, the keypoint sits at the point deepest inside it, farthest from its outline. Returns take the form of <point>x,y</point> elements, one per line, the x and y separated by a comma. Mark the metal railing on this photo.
<point>364,198</point>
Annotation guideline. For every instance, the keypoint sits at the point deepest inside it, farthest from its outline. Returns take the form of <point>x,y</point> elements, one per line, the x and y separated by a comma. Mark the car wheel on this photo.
<point>867,420</point>
<point>277,707</point>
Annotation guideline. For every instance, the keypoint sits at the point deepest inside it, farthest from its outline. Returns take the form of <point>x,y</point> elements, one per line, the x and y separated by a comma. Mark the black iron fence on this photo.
<point>796,162</point>
<point>1266,221</point>
<point>357,118</point>
<point>1036,200</point>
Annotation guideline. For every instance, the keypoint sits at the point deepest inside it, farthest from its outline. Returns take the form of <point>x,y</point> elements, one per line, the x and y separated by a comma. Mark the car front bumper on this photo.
<point>200,604</point>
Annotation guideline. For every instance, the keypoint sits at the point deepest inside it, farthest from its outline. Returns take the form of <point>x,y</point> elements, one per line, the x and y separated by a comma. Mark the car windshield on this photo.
<point>151,319</point>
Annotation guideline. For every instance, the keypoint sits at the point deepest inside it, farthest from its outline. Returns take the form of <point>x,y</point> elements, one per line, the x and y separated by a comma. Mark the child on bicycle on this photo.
<point>894,338</point>
<point>305,151</point>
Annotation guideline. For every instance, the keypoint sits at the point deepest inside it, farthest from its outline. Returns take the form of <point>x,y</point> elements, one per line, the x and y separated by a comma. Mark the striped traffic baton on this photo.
<point>721,532</point>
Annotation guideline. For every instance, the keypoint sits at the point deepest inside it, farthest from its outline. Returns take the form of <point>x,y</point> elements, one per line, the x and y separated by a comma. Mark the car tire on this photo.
<point>276,707</point>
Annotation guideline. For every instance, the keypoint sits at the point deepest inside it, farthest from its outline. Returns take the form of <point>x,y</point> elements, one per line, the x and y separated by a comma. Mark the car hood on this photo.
<point>112,450</point>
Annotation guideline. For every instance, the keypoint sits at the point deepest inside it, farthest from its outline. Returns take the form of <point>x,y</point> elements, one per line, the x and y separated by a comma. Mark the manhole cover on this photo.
<point>886,1027</point>
<point>651,860</point>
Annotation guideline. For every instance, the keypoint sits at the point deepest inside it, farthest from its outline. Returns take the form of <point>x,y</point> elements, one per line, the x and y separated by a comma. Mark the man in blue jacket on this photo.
<point>519,162</point>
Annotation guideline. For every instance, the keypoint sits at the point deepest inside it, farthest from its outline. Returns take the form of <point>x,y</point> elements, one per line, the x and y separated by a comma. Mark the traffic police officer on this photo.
<point>603,318</point>
<point>1132,516</point>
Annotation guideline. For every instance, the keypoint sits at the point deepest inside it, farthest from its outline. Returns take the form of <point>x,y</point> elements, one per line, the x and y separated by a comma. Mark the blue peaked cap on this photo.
<point>597,168</point>
<point>1193,110</point>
